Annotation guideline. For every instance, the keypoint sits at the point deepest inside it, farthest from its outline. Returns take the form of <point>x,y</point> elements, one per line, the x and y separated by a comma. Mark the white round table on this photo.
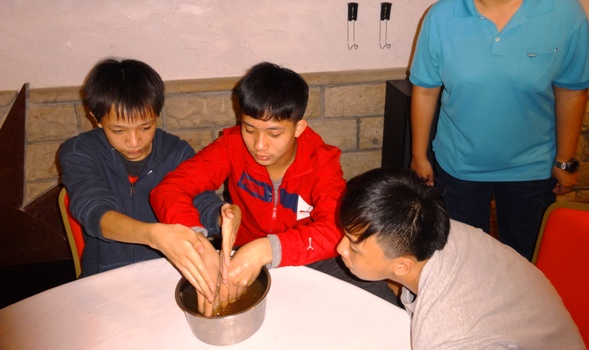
<point>133,307</point>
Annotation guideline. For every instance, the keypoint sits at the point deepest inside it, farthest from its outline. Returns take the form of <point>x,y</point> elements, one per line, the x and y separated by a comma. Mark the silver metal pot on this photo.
<point>223,330</point>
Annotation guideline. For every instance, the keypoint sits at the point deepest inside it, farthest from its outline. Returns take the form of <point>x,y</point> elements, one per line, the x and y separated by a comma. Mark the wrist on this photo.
<point>153,236</point>
<point>263,249</point>
<point>571,166</point>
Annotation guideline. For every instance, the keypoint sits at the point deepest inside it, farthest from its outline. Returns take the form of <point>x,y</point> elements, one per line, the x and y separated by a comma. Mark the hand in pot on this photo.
<point>245,267</point>
<point>230,221</point>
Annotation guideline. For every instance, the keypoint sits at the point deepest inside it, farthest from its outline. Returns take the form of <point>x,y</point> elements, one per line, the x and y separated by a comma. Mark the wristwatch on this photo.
<point>571,166</point>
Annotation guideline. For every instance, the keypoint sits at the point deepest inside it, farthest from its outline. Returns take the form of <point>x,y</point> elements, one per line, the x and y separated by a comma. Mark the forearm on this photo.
<point>172,199</point>
<point>570,108</point>
<point>306,244</point>
<point>122,228</point>
<point>423,108</point>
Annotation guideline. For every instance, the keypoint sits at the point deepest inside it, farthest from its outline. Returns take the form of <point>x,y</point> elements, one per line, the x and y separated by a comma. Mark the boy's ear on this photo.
<point>300,127</point>
<point>95,120</point>
<point>403,265</point>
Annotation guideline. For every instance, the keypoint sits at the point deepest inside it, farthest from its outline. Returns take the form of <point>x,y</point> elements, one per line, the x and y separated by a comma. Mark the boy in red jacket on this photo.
<point>284,178</point>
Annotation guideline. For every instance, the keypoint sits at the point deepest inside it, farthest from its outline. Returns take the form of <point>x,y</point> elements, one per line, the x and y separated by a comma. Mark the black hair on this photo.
<point>270,92</point>
<point>131,87</point>
<point>406,216</point>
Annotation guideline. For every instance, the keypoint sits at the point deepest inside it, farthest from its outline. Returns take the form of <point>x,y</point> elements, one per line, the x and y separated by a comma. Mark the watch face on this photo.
<point>570,167</point>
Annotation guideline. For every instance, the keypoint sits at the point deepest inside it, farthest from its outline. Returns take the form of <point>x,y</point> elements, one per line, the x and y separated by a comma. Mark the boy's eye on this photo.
<point>354,248</point>
<point>147,128</point>
<point>275,135</point>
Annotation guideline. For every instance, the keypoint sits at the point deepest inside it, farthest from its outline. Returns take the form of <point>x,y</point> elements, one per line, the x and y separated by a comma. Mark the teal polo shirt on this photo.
<point>497,120</point>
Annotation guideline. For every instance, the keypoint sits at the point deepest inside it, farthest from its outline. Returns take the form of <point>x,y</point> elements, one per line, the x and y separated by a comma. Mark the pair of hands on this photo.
<point>245,267</point>
<point>565,181</point>
<point>194,255</point>
<point>200,263</point>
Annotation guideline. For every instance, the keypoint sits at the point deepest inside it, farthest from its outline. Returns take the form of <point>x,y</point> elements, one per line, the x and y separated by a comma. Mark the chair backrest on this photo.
<point>562,255</point>
<point>73,229</point>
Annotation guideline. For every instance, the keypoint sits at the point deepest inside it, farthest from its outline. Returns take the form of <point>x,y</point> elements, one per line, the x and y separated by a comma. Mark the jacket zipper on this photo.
<point>132,181</point>
<point>275,209</point>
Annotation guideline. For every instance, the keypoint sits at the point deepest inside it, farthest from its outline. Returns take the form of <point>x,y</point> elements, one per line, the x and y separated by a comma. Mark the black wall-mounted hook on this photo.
<point>385,16</point>
<point>385,11</point>
<point>352,11</point>
<point>352,17</point>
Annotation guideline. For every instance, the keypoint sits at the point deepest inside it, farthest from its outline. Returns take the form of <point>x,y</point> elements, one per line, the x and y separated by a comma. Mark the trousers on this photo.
<point>520,206</point>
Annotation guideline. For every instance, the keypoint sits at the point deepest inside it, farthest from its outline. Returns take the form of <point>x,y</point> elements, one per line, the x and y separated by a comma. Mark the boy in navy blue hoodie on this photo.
<point>110,171</point>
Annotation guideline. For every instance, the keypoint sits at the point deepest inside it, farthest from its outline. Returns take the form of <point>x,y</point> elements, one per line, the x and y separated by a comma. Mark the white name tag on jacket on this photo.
<point>303,209</point>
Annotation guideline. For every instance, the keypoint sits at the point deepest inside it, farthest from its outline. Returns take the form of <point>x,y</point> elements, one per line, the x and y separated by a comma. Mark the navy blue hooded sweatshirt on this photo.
<point>95,177</point>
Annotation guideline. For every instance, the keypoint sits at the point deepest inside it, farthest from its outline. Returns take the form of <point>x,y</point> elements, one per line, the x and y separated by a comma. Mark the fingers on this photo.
<point>199,247</point>
<point>204,306</point>
<point>231,218</point>
<point>428,181</point>
<point>186,249</point>
<point>199,277</point>
<point>241,277</point>
<point>225,265</point>
<point>224,294</point>
<point>200,270</point>
<point>241,288</point>
<point>562,190</point>
<point>424,170</point>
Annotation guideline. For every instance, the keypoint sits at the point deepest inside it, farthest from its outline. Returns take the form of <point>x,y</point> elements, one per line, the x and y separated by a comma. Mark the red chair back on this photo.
<point>73,229</point>
<point>561,254</point>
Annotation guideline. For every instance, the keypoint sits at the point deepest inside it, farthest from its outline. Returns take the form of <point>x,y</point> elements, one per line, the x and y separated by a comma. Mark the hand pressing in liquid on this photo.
<point>246,264</point>
<point>218,265</point>
<point>230,221</point>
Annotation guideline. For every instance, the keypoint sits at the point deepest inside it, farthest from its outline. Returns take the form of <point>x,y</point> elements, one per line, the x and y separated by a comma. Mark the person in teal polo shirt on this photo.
<point>513,77</point>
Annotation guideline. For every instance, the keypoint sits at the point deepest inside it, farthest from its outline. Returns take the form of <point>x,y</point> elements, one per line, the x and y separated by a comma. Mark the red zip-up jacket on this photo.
<point>302,213</point>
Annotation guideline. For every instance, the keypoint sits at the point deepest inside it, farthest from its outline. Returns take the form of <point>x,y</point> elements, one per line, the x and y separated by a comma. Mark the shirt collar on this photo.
<point>466,8</point>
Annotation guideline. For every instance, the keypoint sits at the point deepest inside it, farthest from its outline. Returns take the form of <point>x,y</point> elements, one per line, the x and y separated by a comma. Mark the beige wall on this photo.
<point>55,43</point>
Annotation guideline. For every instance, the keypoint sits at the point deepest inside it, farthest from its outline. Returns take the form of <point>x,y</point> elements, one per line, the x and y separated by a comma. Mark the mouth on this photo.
<point>261,157</point>
<point>135,153</point>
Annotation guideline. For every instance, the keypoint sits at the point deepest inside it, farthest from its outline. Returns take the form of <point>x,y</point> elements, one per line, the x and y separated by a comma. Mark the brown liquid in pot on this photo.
<point>252,294</point>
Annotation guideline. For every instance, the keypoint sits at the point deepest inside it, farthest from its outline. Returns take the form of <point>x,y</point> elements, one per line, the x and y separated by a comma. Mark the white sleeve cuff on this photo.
<point>276,251</point>
<point>202,230</point>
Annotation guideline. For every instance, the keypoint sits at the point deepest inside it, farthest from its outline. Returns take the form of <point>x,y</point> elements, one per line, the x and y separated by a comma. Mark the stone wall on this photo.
<point>345,108</point>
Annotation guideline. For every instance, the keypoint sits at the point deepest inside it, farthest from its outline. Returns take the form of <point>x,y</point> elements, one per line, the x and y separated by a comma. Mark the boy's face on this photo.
<point>132,139</point>
<point>271,143</point>
<point>366,260</point>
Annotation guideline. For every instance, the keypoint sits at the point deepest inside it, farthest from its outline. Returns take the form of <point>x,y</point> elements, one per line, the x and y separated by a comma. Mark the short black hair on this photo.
<point>131,87</point>
<point>271,92</point>
<point>406,216</point>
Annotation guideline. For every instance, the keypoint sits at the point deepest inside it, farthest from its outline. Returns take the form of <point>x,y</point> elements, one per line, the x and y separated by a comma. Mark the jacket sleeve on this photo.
<point>90,197</point>
<point>208,205</point>
<point>172,199</point>
<point>317,240</point>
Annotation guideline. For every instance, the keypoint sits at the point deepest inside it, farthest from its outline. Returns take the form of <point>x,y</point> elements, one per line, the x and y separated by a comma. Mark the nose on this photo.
<point>260,143</point>
<point>134,139</point>
<point>343,247</point>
